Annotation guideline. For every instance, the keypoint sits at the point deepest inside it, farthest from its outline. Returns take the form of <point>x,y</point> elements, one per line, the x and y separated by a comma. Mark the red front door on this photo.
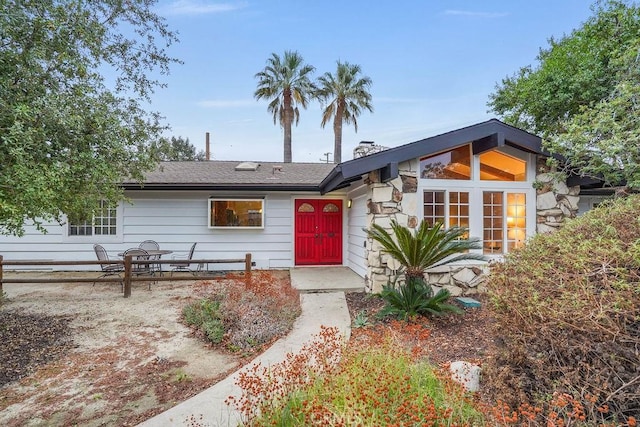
<point>318,231</point>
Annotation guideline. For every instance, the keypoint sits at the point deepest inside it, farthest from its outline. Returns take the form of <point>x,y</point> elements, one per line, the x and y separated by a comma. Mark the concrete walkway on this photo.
<point>323,304</point>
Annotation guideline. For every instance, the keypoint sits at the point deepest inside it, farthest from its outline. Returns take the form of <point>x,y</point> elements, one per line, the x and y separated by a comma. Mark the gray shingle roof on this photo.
<point>219,174</point>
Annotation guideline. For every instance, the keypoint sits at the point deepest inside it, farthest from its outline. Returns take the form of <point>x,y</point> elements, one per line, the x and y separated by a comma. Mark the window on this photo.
<point>452,164</point>
<point>104,223</point>
<point>496,166</point>
<point>499,222</point>
<point>236,213</point>
<point>447,207</point>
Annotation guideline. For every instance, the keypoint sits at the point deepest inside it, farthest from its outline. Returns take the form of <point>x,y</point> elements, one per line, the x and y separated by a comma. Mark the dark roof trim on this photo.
<point>487,143</point>
<point>213,187</point>
<point>483,136</point>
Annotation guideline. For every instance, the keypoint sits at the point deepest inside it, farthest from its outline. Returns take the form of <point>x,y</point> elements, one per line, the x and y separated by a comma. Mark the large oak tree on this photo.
<point>75,77</point>
<point>583,95</point>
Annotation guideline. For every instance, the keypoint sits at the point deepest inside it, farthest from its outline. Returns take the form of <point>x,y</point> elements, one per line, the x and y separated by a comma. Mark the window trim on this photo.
<point>211,200</point>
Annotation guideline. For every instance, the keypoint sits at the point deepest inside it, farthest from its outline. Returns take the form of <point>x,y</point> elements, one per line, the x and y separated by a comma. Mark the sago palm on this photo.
<point>286,82</point>
<point>426,247</point>
<point>345,94</point>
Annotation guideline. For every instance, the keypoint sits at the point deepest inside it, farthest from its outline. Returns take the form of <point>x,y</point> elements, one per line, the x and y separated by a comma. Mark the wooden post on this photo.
<point>247,263</point>
<point>1,294</point>
<point>127,276</point>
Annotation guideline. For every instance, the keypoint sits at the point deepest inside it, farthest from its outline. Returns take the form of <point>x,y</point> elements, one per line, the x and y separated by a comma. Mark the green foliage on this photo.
<point>567,309</point>
<point>176,150</point>
<point>375,384</point>
<point>415,298</point>
<point>182,376</point>
<point>582,96</point>
<point>205,315</point>
<point>426,247</point>
<point>246,312</point>
<point>361,320</point>
<point>73,80</point>
<point>285,81</point>
<point>345,94</point>
<point>214,330</point>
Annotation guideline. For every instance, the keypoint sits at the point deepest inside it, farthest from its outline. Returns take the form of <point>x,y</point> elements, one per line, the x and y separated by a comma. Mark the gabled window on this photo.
<point>497,166</point>
<point>103,223</point>
<point>452,164</point>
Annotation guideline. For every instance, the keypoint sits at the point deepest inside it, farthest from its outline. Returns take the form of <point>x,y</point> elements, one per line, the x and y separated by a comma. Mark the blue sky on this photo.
<point>433,65</point>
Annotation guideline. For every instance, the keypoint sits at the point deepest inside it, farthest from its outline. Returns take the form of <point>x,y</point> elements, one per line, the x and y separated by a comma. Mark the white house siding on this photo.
<point>178,219</point>
<point>175,220</point>
<point>356,236</point>
<point>589,202</point>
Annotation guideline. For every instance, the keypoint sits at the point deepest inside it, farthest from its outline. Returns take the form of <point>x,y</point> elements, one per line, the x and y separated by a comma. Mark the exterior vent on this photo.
<point>248,166</point>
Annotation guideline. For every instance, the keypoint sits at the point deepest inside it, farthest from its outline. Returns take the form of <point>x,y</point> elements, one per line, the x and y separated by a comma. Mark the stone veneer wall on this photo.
<point>388,201</point>
<point>555,202</point>
<point>398,200</point>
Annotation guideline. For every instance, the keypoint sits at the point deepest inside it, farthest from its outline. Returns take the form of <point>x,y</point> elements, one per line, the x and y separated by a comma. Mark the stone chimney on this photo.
<point>366,148</point>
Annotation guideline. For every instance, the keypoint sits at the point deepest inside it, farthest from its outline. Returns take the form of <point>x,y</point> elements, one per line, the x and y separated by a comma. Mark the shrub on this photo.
<point>326,384</point>
<point>567,309</point>
<point>205,314</point>
<point>415,298</point>
<point>244,312</point>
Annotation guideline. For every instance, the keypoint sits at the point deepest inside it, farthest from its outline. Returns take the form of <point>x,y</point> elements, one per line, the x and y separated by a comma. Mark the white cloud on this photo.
<point>227,103</point>
<point>201,7</point>
<point>476,14</point>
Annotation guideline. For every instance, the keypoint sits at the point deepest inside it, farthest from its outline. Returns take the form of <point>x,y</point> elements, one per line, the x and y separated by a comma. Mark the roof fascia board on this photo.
<point>487,143</point>
<point>389,172</point>
<point>209,187</point>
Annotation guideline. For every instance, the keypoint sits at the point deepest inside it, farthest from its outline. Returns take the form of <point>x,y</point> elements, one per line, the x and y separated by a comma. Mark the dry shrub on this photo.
<point>567,309</point>
<point>254,309</point>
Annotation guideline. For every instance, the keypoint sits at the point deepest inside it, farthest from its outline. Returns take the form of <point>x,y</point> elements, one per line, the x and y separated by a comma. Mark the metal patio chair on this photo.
<point>183,263</point>
<point>152,245</point>
<point>139,269</point>
<point>107,269</point>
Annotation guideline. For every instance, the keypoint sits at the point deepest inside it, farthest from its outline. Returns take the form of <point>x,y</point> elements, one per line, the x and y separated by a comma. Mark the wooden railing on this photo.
<point>128,274</point>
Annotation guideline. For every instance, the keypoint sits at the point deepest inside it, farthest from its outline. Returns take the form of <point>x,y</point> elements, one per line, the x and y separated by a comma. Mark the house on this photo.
<point>489,177</point>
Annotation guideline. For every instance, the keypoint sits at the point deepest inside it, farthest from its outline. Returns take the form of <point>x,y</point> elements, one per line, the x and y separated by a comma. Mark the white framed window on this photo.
<point>236,213</point>
<point>103,223</point>
<point>504,216</point>
<point>447,207</point>
<point>454,164</point>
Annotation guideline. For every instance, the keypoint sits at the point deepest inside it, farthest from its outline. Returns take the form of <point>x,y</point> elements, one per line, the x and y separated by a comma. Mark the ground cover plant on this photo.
<point>329,384</point>
<point>567,308</point>
<point>394,372</point>
<point>244,314</point>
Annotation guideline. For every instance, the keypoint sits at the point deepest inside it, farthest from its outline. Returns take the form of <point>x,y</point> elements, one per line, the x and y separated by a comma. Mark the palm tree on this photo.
<point>427,247</point>
<point>286,83</point>
<point>346,94</point>
<point>417,251</point>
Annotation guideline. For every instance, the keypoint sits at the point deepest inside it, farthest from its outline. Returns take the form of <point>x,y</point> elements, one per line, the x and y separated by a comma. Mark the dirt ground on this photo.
<point>108,360</point>
<point>79,354</point>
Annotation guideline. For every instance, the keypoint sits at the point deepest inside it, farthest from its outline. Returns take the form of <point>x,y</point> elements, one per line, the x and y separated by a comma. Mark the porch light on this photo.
<point>349,202</point>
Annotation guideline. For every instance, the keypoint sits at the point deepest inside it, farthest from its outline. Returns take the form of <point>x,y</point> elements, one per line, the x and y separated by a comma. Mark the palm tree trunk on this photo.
<point>337,134</point>
<point>288,120</point>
